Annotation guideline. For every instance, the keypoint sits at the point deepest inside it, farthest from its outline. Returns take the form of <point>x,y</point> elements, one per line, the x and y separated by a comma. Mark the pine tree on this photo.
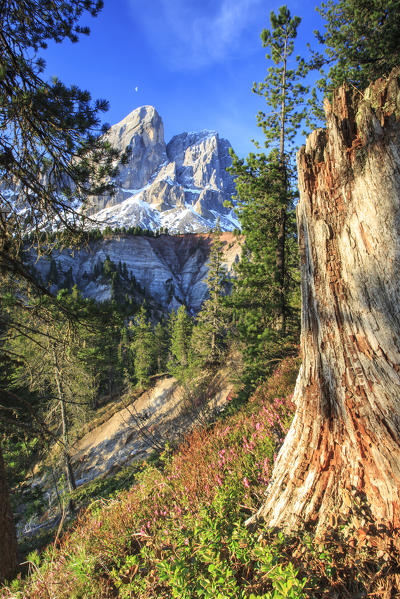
<point>98,329</point>
<point>125,273</point>
<point>144,348</point>
<point>97,269</point>
<point>115,285</point>
<point>208,338</point>
<point>264,289</point>
<point>109,337</point>
<point>255,300</point>
<point>283,87</point>
<point>108,267</point>
<point>68,279</point>
<point>162,342</point>
<point>361,40</point>
<point>181,329</point>
<point>51,153</point>
<point>48,363</point>
<point>285,94</point>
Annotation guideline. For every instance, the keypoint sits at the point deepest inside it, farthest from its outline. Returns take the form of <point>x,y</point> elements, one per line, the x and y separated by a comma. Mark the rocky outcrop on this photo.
<point>181,186</point>
<point>202,159</point>
<point>142,133</point>
<point>170,269</point>
<point>342,452</point>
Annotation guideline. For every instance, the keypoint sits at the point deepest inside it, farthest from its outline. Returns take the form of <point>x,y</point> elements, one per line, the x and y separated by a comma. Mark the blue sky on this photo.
<point>195,61</point>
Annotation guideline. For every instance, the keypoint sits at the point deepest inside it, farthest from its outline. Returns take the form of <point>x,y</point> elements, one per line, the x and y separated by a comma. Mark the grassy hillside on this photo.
<point>179,532</point>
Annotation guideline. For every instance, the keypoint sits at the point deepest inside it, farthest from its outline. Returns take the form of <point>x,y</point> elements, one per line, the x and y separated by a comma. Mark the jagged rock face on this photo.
<point>181,186</point>
<point>170,269</point>
<point>142,132</point>
<point>202,159</point>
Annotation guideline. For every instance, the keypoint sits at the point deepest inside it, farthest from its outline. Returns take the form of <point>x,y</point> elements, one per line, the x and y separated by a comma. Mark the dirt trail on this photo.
<point>163,413</point>
<point>160,414</point>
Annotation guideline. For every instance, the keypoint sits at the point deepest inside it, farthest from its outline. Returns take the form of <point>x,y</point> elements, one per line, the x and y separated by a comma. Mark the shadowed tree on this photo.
<point>51,154</point>
<point>48,362</point>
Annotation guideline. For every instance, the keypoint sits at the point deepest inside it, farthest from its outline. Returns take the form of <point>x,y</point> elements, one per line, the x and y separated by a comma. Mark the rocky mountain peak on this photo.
<point>144,118</point>
<point>142,132</point>
<point>181,186</point>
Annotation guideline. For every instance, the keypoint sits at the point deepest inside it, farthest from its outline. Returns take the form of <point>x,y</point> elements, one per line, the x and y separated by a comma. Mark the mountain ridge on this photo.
<point>181,186</point>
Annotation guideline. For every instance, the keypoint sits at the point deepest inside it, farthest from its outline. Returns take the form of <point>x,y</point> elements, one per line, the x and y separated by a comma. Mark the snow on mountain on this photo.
<point>182,185</point>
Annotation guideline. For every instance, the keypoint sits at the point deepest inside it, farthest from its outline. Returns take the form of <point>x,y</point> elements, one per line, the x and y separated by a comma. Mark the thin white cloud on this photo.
<point>190,34</point>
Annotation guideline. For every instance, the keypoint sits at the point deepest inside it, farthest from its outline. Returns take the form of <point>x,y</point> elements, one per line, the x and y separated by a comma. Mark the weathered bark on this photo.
<point>8,539</point>
<point>345,437</point>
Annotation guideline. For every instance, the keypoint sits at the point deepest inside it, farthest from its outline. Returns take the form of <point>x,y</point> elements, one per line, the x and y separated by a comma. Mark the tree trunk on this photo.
<point>64,426</point>
<point>345,437</point>
<point>8,539</point>
<point>280,260</point>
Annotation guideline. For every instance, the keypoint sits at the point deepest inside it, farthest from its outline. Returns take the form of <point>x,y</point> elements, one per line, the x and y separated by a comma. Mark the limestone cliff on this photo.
<point>169,269</point>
